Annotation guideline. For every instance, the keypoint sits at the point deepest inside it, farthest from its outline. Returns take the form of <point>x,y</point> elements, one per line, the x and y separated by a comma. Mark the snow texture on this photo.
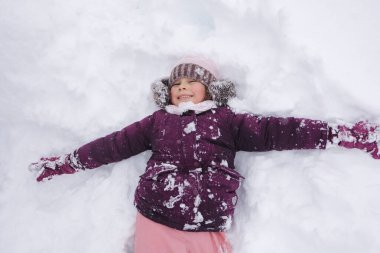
<point>190,127</point>
<point>72,71</point>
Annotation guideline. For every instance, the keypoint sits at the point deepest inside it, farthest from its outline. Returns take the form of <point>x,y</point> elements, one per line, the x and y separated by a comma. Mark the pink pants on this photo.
<point>152,237</point>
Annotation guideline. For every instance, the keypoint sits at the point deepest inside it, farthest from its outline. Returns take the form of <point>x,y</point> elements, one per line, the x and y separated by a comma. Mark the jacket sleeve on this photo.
<point>258,133</point>
<point>117,146</point>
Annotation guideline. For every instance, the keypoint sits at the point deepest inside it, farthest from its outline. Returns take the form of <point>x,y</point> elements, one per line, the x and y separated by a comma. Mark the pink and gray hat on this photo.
<point>197,68</point>
<point>200,69</point>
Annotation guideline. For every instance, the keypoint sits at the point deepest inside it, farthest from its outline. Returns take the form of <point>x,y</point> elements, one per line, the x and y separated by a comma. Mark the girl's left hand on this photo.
<point>47,167</point>
<point>362,135</point>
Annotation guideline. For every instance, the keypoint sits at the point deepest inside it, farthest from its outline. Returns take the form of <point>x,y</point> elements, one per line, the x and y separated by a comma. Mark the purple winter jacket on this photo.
<point>190,180</point>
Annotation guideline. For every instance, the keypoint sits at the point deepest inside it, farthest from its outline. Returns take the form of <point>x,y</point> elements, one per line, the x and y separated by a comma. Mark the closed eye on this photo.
<point>190,81</point>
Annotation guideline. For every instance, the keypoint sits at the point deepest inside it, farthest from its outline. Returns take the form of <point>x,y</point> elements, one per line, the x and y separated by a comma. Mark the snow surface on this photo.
<point>72,71</point>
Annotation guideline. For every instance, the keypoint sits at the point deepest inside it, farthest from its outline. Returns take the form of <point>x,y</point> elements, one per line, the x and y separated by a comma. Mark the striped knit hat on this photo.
<point>194,67</point>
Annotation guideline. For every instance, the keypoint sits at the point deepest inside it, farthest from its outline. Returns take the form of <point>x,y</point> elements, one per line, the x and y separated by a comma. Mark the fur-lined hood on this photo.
<point>220,92</point>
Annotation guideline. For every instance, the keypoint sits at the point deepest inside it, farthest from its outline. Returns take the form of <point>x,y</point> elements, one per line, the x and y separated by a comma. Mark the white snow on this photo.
<point>224,163</point>
<point>197,201</point>
<point>72,71</point>
<point>199,71</point>
<point>198,217</point>
<point>191,226</point>
<point>170,185</point>
<point>190,127</point>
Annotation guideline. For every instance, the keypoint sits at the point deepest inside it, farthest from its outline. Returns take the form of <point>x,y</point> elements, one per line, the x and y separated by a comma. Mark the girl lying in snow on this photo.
<point>187,195</point>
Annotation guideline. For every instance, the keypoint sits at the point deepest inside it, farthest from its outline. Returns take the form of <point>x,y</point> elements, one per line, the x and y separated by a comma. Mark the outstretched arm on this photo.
<point>259,133</point>
<point>114,147</point>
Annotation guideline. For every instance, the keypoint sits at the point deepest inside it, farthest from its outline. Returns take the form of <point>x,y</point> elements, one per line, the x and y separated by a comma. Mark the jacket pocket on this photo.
<point>155,173</point>
<point>223,179</point>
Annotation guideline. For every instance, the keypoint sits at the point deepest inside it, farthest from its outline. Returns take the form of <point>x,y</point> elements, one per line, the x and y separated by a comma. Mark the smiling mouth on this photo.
<point>184,97</point>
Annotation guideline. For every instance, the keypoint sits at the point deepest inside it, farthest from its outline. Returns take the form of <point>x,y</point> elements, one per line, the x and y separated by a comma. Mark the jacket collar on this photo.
<point>190,106</point>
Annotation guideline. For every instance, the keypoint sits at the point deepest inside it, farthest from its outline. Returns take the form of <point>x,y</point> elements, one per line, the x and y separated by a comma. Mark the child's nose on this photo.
<point>183,85</point>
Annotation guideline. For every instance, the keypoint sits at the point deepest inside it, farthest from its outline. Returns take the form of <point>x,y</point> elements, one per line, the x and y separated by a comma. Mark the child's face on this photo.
<point>185,90</point>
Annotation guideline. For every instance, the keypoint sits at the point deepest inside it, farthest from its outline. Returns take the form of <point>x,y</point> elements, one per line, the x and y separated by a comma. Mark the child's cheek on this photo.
<point>172,95</point>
